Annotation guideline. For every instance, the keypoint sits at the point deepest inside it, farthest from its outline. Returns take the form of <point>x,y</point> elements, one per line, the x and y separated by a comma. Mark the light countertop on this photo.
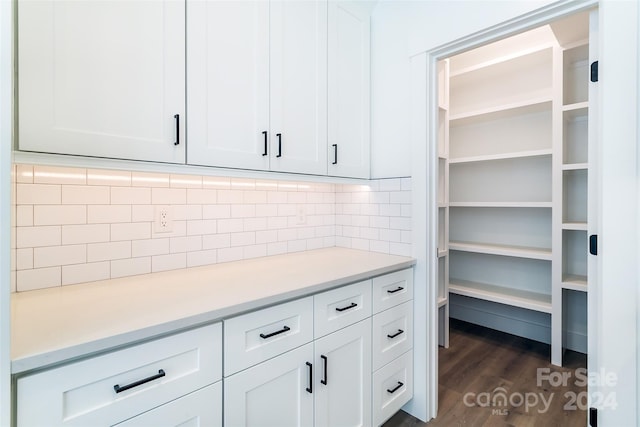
<point>64,323</point>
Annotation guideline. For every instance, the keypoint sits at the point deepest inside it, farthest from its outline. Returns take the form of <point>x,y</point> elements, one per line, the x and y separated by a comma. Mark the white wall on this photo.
<point>5,203</point>
<point>403,28</point>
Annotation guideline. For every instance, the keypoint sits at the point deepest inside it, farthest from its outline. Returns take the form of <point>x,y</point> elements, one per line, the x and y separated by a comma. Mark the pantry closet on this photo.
<point>516,166</point>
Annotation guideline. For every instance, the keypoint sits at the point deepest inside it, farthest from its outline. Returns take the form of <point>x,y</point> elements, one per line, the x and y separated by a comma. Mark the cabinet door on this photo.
<point>202,408</point>
<point>273,393</point>
<point>343,377</point>
<point>348,84</point>
<point>102,78</point>
<point>299,86</point>
<point>228,83</point>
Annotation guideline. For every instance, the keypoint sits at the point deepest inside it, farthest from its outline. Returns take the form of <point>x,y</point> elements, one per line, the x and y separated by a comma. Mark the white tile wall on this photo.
<point>375,217</point>
<point>77,225</point>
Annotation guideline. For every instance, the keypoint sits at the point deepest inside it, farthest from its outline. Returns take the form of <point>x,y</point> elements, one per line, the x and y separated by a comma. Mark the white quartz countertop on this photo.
<point>59,324</point>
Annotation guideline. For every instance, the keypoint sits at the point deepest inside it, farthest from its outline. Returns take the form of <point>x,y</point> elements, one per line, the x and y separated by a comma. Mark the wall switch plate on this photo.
<point>163,219</point>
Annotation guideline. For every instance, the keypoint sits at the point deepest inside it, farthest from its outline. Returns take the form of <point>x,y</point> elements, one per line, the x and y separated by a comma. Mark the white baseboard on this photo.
<point>512,320</point>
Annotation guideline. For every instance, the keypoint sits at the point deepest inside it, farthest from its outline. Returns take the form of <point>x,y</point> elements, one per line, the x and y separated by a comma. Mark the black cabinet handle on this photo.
<point>393,390</point>
<point>177,117</point>
<point>264,132</point>
<point>324,360</point>
<point>400,331</point>
<point>593,244</point>
<point>279,135</point>
<point>120,389</point>
<point>272,334</point>
<point>352,305</point>
<point>310,388</point>
<point>389,291</point>
<point>335,154</point>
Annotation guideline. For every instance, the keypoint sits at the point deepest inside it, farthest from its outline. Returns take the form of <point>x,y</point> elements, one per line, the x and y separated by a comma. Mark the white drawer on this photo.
<point>392,289</point>
<point>107,389</point>
<point>260,335</point>
<point>392,387</point>
<point>392,333</point>
<point>200,408</point>
<point>341,307</point>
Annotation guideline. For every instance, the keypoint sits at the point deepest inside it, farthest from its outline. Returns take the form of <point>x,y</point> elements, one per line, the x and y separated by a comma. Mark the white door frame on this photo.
<point>618,27</point>
<point>6,144</point>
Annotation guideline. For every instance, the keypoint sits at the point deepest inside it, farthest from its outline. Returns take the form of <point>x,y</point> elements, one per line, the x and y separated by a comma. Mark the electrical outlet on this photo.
<point>301,215</point>
<point>164,219</point>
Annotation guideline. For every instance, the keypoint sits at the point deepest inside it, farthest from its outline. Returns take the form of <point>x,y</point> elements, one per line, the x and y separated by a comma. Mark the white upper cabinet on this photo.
<point>349,94</point>
<point>102,78</point>
<point>299,86</point>
<point>257,85</point>
<point>228,83</point>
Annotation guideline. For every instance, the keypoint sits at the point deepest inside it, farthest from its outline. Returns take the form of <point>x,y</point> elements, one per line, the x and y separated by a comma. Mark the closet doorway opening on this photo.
<point>515,185</point>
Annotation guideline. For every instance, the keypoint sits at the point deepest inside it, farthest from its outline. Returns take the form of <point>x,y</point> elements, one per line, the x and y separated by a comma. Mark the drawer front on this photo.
<point>260,335</point>
<point>392,333</point>
<point>392,289</point>
<point>341,307</point>
<point>202,408</point>
<point>392,387</point>
<point>111,388</point>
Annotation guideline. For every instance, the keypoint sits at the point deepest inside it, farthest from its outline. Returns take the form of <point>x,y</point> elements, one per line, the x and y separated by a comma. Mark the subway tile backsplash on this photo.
<point>75,225</point>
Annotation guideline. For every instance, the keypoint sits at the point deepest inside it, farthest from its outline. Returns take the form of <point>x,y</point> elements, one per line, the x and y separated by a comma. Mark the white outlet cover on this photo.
<point>163,222</point>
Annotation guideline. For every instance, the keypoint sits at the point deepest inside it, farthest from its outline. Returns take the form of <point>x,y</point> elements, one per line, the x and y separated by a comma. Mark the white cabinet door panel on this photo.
<point>228,83</point>
<point>349,89</point>
<point>299,86</point>
<point>273,393</point>
<point>102,78</point>
<point>343,361</point>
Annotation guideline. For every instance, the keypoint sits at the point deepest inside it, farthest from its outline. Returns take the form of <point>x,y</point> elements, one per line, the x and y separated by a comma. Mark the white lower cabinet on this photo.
<point>202,408</point>
<point>111,388</point>
<point>275,393</point>
<point>343,377</point>
<point>392,387</point>
<point>353,370</point>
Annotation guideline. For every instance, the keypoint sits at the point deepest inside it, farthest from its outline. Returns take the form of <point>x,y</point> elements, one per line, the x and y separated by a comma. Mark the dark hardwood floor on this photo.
<point>482,365</point>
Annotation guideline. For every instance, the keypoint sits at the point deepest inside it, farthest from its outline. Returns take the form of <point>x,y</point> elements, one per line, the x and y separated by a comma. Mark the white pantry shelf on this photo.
<point>502,294</point>
<point>575,166</point>
<point>511,109</point>
<point>442,253</point>
<point>497,61</point>
<point>502,250</point>
<point>442,301</point>
<point>502,156</point>
<point>584,105</point>
<point>574,282</point>
<point>500,204</point>
<point>578,226</point>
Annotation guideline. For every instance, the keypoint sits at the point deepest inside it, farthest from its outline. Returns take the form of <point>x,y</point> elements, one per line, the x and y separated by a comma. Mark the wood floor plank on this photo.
<point>481,365</point>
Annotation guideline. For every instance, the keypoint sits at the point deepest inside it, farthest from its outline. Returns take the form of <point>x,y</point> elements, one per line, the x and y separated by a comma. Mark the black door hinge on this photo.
<point>593,244</point>
<point>593,417</point>
<point>594,71</point>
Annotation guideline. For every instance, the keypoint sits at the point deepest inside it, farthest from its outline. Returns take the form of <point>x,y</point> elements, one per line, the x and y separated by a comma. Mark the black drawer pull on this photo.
<point>393,390</point>
<point>264,133</point>
<point>395,290</point>
<point>324,360</point>
<point>279,135</point>
<point>272,334</point>
<point>310,388</point>
<point>352,305</point>
<point>400,331</point>
<point>177,117</point>
<point>120,389</point>
<point>335,154</point>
